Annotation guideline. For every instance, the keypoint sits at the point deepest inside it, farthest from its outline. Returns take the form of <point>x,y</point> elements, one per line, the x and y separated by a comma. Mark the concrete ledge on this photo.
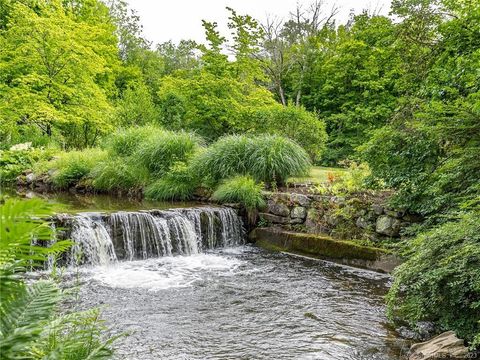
<point>324,247</point>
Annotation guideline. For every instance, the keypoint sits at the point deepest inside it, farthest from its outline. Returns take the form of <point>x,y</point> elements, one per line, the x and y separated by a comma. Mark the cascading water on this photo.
<point>103,239</point>
<point>91,242</point>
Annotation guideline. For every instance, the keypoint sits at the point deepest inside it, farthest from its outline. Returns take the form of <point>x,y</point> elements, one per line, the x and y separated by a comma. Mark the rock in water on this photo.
<point>443,346</point>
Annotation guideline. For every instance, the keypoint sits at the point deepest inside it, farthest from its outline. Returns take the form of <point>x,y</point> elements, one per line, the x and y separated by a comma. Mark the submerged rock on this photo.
<point>443,346</point>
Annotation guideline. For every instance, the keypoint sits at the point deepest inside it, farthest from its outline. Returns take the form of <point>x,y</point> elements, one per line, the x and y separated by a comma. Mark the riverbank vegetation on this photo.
<point>399,94</point>
<point>169,165</point>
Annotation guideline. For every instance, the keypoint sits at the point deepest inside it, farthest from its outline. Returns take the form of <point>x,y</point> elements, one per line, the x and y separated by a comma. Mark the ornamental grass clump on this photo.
<point>241,189</point>
<point>158,153</point>
<point>178,184</point>
<point>126,141</point>
<point>119,174</point>
<point>267,158</point>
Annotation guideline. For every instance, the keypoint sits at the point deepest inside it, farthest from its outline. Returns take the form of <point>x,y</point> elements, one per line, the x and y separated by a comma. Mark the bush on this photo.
<point>441,280</point>
<point>178,184</point>
<point>73,166</point>
<point>159,152</point>
<point>267,158</point>
<point>241,189</point>
<point>119,174</point>
<point>126,141</point>
<point>293,122</point>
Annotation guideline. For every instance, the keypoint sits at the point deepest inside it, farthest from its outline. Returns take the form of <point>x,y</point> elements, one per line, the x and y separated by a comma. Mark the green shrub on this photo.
<point>267,158</point>
<point>119,174</point>
<point>71,167</point>
<point>159,152</point>
<point>126,141</point>
<point>178,184</point>
<point>441,280</point>
<point>242,190</point>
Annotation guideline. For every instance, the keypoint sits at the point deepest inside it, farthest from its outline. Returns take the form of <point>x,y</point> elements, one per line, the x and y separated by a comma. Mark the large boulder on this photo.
<point>387,225</point>
<point>443,346</point>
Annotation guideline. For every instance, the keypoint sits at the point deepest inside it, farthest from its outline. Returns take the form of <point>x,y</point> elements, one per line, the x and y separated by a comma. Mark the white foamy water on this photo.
<point>164,273</point>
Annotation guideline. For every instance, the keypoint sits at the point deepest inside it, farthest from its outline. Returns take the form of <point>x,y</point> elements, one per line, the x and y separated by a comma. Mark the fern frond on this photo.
<point>23,318</point>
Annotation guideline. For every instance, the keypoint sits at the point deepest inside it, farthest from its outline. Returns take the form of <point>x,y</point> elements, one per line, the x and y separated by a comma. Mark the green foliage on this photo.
<point>348,181</point>
<point>178,184</point>
<point>15,162</point>
<point>116,173</point>
<point>441,280</point>
<point>125,142</point>
<point>159,152</point>
<point>428,152</point>
<point>242,190</point>
<point>21,221</point>
<point>293,122</point>
<point>31,326</point>
<point>267,158</point>
<point>71,167</point>
<point>136,107</point>
<point>209,104</point>
<point>55,72</point>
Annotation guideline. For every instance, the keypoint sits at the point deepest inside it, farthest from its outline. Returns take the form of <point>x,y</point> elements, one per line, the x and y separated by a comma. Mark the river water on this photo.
<point>212,300</point>
<point>242,303</point>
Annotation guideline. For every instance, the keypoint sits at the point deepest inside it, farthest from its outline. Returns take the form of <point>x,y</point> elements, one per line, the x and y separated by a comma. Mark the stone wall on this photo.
<point>363,216</point>
<point>324,247</point>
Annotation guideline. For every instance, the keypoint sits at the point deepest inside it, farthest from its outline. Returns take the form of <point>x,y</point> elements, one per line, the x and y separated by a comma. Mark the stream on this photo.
<point>180,283</point>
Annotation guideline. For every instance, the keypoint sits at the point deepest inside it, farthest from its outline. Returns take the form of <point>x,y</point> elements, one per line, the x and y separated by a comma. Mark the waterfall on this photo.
<point>92,243</point>
<point>102,239</point>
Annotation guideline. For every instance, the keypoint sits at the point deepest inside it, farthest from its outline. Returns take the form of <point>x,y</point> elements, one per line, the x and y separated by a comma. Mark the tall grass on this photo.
<point>242,190</point>
<point>266,158</point>
<point>158,153</point>
<point>125,142</point>
<point>178,184</point>
<point>71,167</point>
<point>119,174</point>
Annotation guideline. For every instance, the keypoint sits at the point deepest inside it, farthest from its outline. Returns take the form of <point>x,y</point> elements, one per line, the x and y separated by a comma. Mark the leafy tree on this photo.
<point>55,75</point>
<point>247,34</point>
<point>291,121</point>
<point>432,142</point>
<point>136,107</point>
<point>209,104</point>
